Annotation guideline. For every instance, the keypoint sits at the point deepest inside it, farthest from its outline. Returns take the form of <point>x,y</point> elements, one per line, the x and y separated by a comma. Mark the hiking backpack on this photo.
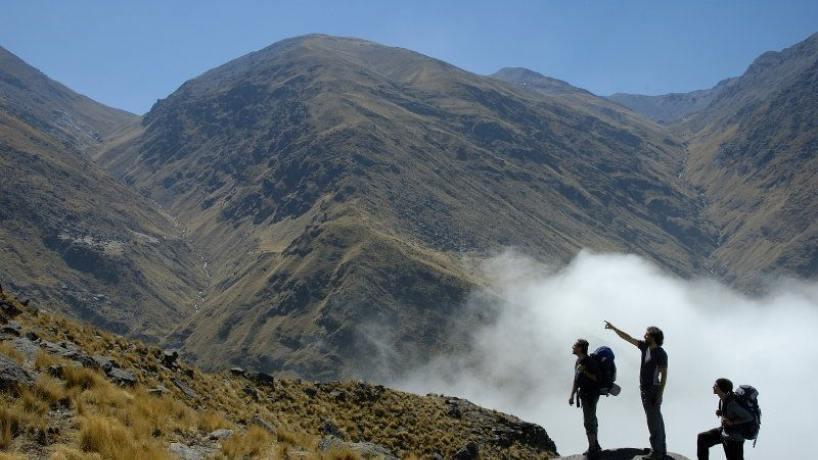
<point>747,397</point>
<point>604,357</point>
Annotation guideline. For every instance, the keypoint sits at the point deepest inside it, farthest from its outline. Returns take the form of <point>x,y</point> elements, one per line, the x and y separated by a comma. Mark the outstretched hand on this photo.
<point>609,325</point>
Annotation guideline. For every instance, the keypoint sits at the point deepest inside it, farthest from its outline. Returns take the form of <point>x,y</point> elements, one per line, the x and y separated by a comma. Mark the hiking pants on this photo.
<point>589,412</point>
<point>733,450</point>
<point>656,424</point>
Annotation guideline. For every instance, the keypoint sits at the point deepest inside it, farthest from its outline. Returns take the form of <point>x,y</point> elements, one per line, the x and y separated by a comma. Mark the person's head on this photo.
<point>723,386</point>
<point>654,336</point>
<point>580,347</point>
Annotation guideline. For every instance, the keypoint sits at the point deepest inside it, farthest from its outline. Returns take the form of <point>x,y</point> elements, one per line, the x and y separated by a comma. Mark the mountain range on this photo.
<point>321,206</point>
<point>73,235</point>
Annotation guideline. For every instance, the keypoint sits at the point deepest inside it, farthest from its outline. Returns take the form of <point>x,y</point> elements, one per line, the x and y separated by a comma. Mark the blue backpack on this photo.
<point>604,356</point>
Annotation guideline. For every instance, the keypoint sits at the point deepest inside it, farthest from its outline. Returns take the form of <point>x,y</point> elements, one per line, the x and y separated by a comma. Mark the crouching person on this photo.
<point>733,416</point>
<point>586,387</point>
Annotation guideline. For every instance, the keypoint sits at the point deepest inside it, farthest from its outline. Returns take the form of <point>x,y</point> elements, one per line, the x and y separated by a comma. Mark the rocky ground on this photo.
<point>622,454</point>
<point>70,391</point>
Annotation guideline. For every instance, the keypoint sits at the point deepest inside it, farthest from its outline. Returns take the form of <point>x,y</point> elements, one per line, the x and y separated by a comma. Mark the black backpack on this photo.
<point>747,397</point>
<point>604,357</point>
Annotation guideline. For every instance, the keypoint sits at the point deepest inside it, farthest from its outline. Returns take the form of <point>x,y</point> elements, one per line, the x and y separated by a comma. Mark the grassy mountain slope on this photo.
<point>340,188</point>
<point>102,252</point>
<point>753,155</point>
<point>74,392</point>
<point>48,106</point>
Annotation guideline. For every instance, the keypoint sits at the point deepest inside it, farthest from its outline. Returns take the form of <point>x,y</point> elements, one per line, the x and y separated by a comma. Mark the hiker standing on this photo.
<point>729,434</point>
<point>586,387</point>
<point>652,380</point>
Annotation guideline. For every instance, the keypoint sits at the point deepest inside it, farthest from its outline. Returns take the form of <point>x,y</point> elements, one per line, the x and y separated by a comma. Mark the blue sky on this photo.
<point>129,54</point>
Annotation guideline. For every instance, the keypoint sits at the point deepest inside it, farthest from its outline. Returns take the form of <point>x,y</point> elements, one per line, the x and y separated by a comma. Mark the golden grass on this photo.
<point>63,452</point>
<point>295,437</point>
<point>81,377</point>
<point>49,389</point>
<point>107,421</point>
<point>252,443</point>
<point>9,350</point>
<point>10,421</point>
<point>112,440</point>
<point>210,420</point>
<point>43,360</point>
<point>340,453</point>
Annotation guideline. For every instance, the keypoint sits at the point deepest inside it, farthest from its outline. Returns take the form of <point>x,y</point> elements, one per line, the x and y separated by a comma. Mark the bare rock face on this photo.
<point>12,375</point>
<point>365,449</point>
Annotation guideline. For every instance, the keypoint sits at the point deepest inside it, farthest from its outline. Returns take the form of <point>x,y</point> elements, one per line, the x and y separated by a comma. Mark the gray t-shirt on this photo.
<point>652,360</point>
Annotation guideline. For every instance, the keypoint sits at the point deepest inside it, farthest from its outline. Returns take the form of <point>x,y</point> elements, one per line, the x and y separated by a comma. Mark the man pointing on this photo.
<point>652,380</point>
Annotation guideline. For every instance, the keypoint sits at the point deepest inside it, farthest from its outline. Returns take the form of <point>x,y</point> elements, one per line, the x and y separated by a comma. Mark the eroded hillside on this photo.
<point>71,233</point>
<point>71,391</point>
<point>340,189</point>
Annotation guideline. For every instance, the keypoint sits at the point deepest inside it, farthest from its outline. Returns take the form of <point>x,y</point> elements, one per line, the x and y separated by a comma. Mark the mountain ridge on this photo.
<point>70,233</point>
<point>362,176</point>
<point>333,194</point>
<point>51,106</point>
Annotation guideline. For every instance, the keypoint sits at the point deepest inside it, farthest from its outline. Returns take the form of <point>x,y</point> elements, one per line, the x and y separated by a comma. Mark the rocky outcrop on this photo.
<point>13,376</point>
<point>364,449</point>
<point>622,454</point>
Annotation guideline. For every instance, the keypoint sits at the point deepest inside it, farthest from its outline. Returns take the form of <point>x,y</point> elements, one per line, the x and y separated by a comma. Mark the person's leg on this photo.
<point>734,450</point>
<point>656,425</point>
<point>659,420</point>
<point>589,404</point>
<point>646,406</point>
<point>705,441</point>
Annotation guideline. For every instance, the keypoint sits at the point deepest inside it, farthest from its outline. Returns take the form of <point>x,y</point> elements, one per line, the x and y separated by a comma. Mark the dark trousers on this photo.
<point>656,424</point>
<point>733,450</point>
<point>589,403</point>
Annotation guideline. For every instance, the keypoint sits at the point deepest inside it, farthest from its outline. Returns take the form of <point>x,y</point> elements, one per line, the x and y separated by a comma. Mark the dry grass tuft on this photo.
<point>252,443</point>
<point>80,377</point>
<point>43,360</point>
<point>50,390</point>
<point>63,452</point>
<point>211,420</point>
<point>10,422</point>
<point>341,453</point>
<point>109,438</point>
<point>9,350</point>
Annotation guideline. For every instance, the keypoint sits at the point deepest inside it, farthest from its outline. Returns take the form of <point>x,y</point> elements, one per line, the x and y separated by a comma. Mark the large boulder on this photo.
<point>364,449</point>
<point>121,377</point>
<point>13,376</point>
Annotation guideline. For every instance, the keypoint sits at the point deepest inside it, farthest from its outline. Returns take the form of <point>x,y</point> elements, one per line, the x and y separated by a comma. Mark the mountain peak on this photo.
<point>536,81</point>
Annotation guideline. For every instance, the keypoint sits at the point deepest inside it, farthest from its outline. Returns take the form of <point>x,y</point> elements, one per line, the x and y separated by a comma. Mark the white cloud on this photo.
<point>521,363</point>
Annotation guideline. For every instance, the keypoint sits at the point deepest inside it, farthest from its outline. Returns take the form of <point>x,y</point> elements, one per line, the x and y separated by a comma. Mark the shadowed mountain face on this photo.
<point>754,154</point>
<point>341,189</point>
<point>341,194</point>
<point>69,232</point>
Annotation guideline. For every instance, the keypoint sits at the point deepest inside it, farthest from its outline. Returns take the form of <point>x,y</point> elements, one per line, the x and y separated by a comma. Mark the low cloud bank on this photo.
<point>521,363</point>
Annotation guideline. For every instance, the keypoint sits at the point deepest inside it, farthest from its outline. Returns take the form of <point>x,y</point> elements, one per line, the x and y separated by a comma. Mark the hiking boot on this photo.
<point>653,456</point>
<point>592,452</point>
